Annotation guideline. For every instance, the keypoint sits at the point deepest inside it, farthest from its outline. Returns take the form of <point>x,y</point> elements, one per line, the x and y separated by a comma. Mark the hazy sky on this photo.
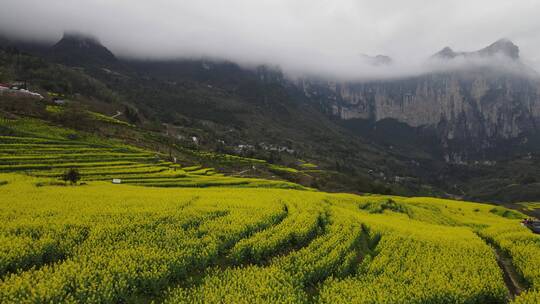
<point>319,36</point>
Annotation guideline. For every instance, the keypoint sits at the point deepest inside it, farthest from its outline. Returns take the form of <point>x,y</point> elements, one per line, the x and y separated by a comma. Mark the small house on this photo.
<point>116,181</point>
<point>18,85</point>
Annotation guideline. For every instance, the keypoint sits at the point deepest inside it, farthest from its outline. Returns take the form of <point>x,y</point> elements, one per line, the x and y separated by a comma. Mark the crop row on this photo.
<point>50,166</point>
<point>118,244</point>
<point>30,151</point>
<point>57,162</point>
<point>137,253</point>
<point>70,156</point>
<point>106,173</point>
<point>301,225</point>
<point>123,169</point>
<point>288,277</point>
<point>211,181</point>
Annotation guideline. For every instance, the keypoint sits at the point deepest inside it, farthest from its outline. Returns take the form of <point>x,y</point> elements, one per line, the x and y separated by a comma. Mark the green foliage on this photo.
<point>46,151</point>
<point>53,77</point>
<point>531,206</point>
<point>282,169</point>
<point>54,109</point>
<point>528,179</point>
<point>507,213</point>
<point>72,176</point>
<point>107,119</point>
<point>308,166</point>
<point>381,206</point>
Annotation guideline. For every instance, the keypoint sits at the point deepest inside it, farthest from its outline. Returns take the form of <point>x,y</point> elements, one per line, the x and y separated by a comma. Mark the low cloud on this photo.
<point>317,37</point>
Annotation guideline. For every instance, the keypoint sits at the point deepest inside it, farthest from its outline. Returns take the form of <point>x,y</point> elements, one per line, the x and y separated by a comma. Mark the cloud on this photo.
<point>320,37</point>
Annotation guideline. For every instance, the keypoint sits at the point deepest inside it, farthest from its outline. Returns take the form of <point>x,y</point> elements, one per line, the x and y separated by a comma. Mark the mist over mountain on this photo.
<point>502,47</point>
<point>392,110</point>
<point>316,38</point>
<point>77,48</point>
<point>270,151</point>
<point>466,97</point>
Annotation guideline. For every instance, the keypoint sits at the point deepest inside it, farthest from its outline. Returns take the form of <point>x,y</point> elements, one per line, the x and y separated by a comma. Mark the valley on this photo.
<point>173,232</point>
<point>269,152</point>
<point>478,141</point>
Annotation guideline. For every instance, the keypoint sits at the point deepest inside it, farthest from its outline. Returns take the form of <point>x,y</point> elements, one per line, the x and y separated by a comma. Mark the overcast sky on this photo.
<point>325,36</point>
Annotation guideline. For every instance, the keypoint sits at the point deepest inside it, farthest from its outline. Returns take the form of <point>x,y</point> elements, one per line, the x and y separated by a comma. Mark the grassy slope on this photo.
<point>234,105</point>
<point>41,149</point>
<point>225,104</point>
<point>299,245</point>
<point>122,243</point>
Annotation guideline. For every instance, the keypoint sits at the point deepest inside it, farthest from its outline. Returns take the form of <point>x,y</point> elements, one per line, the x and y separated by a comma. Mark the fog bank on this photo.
<point>318,37</point>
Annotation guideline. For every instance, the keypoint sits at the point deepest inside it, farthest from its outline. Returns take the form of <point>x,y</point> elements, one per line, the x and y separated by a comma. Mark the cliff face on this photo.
<point>470,109</point>
<point>474,107</point>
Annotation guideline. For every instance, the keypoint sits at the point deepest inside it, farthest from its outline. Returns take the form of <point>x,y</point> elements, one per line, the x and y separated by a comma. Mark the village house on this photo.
<point>59,101</point>
<point>3,89</point>
<point>18,85</point>
<point>17,89</point>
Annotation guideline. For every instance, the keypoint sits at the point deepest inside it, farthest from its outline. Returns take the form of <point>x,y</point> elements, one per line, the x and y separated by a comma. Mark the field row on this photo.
<point>48,151</point>
<point>122,244</point>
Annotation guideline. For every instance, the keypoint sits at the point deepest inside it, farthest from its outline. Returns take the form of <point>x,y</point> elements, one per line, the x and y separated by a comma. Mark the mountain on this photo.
<point>465,132</point>
<point>75,49</point>
<point>40,48</point>
<point>472,111</point>
<point>503,47</point>
<point>254,111</point>
<point>470,123</point>
<point>378,60</point>
<point>257,107</point>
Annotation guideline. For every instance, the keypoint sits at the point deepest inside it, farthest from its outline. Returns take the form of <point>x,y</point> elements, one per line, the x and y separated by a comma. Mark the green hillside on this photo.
<point>190,224</point>
<point>226,107</point>
<point>43,150</point>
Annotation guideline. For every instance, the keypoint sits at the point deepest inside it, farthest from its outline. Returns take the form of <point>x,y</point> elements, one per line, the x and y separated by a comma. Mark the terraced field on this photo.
<point>246,241</point>
<point>43,150</point>
<point>104,243</point>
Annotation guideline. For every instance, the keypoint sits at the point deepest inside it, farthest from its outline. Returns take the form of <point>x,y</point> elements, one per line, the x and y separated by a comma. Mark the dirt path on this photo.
<point>511,278</point>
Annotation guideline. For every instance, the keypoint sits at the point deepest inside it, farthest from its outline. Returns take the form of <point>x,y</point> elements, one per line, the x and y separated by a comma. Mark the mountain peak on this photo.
<point>502,46</point>
<point>84,40</point>
<point>446,52</point>
<point>378,60</point>
<point>78,49</point>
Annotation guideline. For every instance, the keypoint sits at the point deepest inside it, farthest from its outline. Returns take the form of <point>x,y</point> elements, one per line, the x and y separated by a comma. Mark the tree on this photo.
<point>132,115</point>
<point>72,176</point>
<point>75,115</point>
<point>528,179</point>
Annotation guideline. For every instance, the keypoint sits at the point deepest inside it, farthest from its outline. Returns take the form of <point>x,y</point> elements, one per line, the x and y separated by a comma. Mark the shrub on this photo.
<point>506,213</point>
<point>72,176</point>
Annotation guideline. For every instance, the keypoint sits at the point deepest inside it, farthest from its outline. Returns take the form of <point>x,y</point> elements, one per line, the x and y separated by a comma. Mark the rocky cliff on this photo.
<point>471,107</point>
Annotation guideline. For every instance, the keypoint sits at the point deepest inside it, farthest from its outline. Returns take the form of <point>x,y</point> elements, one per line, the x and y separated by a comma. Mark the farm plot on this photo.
<point>42,150</point>
<point>118,243</point>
